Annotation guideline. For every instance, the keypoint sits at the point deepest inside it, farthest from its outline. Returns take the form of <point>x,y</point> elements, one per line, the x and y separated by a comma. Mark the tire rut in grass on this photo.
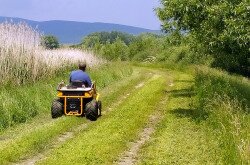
<point>129,157</point>
<point>123,97</point>
<point>58,141</point>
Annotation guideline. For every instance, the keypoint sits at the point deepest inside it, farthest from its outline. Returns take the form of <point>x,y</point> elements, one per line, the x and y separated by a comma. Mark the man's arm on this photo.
<point>70,78</point>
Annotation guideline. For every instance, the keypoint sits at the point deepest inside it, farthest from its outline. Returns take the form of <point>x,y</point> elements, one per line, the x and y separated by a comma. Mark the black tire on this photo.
<point>56,109</point>
<point>91,110</point>
<point>99,103</point>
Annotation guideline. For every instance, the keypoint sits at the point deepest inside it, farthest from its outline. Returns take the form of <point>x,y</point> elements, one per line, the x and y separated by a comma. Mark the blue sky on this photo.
<point>127,12</point>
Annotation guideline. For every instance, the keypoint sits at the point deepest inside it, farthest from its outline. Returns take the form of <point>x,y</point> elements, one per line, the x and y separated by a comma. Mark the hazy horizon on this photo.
<point>138,13</point>
<point>75,21</point>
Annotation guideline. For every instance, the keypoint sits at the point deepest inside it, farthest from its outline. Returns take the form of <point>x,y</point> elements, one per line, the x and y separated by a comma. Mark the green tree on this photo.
<point>50,42</point>
<point>104,37</point>
<point>144,46</point>
<point>120,49</point>
<point>115,51</point>
<point>222,27</point>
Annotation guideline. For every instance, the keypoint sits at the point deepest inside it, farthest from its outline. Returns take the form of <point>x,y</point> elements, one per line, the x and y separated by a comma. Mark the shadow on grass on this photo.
<point>193,114</point>
<point>187,81</point>
<point>187,92</point>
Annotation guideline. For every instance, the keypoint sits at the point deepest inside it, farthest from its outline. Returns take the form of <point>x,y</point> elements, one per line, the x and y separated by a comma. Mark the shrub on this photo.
<point>50,42</point>
<point>114,51</point>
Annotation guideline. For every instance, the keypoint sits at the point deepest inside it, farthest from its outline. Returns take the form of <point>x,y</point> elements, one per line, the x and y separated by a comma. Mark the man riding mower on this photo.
<point>79,98</point>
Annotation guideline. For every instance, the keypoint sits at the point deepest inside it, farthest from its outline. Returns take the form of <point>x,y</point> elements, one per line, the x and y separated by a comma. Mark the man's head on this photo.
<point>82,66</point>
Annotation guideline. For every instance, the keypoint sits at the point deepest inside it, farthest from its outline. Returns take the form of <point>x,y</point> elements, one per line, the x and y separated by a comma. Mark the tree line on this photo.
<point>219,28</point>
<point>213,32</point>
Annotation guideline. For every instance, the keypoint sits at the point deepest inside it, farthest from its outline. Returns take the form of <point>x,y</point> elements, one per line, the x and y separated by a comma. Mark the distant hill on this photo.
<point>71,32</point>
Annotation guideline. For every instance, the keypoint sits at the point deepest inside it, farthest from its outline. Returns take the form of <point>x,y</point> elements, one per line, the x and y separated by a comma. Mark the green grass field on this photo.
<point>183,132</point>
<point>162,102</point>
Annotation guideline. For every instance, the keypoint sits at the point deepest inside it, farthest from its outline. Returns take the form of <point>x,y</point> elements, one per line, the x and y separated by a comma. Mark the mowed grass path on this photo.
<point>104,140</point>
<point>180,138</point>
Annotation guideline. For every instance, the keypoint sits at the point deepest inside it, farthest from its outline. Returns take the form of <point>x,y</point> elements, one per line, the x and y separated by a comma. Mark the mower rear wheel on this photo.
<point>99,103</point>
<point>91,110</point>
<point>56,108</point>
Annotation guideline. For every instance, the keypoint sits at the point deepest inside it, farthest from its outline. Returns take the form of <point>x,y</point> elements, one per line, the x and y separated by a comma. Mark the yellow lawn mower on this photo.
<point>76,100</point>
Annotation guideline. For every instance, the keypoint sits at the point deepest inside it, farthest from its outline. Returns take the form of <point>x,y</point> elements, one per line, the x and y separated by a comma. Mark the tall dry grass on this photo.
<point>18,62</point>
<point>61,57</point>
<point>23,60</point>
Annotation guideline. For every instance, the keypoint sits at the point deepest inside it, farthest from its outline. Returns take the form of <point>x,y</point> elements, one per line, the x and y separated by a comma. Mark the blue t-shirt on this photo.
<point>79,75</point>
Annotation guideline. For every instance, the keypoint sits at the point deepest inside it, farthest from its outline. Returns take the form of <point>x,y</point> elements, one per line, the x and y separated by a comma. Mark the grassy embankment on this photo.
<point>224,101</point>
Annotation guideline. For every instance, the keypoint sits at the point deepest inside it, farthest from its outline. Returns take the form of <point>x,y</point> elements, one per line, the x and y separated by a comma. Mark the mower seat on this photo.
<point>77,84</point>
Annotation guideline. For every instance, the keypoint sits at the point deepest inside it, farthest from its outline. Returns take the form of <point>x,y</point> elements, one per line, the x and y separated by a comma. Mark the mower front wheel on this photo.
<point>56,108</point>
